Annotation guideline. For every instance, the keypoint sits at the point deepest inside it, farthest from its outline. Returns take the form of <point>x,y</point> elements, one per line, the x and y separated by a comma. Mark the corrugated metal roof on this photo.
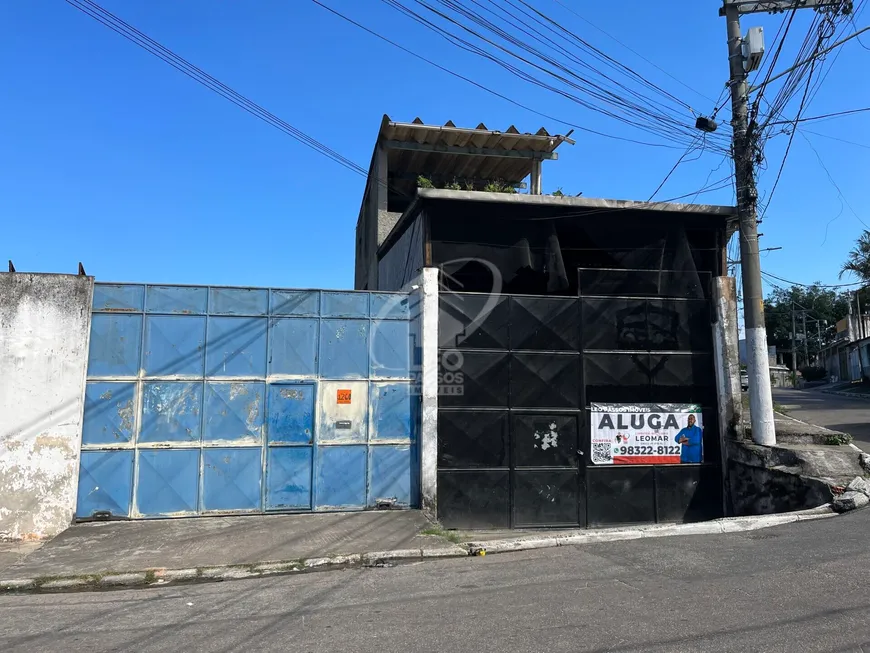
<point>405,164</point>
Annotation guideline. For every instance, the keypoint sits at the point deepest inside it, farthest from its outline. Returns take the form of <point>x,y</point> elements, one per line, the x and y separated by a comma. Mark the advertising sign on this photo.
<point>646,434</point>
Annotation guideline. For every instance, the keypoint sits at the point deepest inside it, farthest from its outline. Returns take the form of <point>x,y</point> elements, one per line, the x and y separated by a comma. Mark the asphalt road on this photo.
<point>831,411</point>
<point>799,587</point>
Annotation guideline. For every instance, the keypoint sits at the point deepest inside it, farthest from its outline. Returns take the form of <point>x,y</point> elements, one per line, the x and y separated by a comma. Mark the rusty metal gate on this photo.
<point>213,400</point>
<point>518,374</point>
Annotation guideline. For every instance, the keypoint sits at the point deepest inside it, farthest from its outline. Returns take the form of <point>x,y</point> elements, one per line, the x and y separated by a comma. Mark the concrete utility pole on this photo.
<point>744,138</point>
<point>806,340</point>
<point>793,343</point>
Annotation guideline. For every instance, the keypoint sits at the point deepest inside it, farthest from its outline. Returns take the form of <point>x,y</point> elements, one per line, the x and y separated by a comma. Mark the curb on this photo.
<point>852,395</point>
<point>162,576</point>
<point>716,526</point>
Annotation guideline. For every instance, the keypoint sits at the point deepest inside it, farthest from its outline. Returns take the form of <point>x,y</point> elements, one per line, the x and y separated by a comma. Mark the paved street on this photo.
<point>800,587</point>
<point>831,411</point>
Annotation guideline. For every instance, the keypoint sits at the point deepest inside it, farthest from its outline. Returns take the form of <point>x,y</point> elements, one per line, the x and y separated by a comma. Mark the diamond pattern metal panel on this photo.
<point>118,297</point>
<point>291,413</point>
<point>340,473</point>
<point>544,323</point>
<point>234,411</point>
<point>473,321</point>
<point>391,349</point>
<point>545,380</point>
<point>116,343</point>
<point>394,411</point>
<point>174,345</point>
<point>231,479</point>
<point>547,498</point>
<point>472,438</point>
<point>345,304</point>
<point>167,482</point>
<point>288,478</point>
<point>344,349</point>
<point>485,379</point>
<point>238,301</point>
<point>171,412</point>
<point>105,483</point>
<point>622,495</point>
<point>390,474</point>
<point>474,499</point>
<point>110,413</point>
<point>293,346</point>
<point>545,440</point>
<point>295,302</point>
<point>392,306</point>
<point>236,346</point>
<point>181,300</point>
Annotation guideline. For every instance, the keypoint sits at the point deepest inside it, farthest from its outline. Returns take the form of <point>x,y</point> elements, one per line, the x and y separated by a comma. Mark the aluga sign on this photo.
<point>646,434</point>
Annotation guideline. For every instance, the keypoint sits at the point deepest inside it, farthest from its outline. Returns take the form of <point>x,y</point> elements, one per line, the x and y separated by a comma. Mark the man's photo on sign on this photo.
<point>690,439</point>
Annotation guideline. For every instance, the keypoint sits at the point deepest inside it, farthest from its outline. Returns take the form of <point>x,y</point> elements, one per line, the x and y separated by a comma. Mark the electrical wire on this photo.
<point>811,285</point>
<point>689,149</point>
<point>822,117</point>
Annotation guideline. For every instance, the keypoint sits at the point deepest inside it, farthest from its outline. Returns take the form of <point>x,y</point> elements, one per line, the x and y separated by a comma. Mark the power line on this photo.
<point>835,138</point>
<point>486,88</point>
<point>811,285</point>
<point>822,117</point>
<point>689,149</point>
<point>132,34</point>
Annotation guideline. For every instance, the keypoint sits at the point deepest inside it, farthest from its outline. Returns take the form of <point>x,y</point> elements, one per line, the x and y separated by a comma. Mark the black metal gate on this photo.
<point>517,375</point>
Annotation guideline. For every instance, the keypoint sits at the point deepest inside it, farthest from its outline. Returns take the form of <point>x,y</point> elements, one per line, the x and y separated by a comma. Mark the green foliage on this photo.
<point>498,186</point>
<point>813,373</point>
<point>838,439</point>
<point>858,261</point>
<point>453,185</point>
<point>424,182</point>
<point>558,193</point>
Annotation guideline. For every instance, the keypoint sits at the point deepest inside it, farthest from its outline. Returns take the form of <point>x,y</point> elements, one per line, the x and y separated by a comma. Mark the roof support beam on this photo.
<point>478,151</point>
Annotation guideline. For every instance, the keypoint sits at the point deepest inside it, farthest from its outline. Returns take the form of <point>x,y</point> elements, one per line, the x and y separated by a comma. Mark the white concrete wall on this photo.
<point>44,331</point>
<point>429,391</point>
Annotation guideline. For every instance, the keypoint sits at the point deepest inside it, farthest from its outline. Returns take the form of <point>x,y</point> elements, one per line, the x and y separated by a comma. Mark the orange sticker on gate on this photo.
<point>342,397</point>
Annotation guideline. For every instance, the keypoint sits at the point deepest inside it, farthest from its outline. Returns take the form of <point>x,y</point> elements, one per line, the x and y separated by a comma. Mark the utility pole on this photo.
<point>793,344</point>
<point>806,339</point>
<point>744,139</point>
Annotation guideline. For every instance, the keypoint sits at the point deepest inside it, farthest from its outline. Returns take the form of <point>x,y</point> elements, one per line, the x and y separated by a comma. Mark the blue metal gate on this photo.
<point>214,400</point>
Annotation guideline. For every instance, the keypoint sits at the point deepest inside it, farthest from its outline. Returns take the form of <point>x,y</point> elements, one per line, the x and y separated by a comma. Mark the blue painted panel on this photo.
<point>116,341</point>
<point>344,350</point>
<point>183,300</point>
<point>295,302</point>
<point>105,483</point>
<point>394,411</point>
<point>110,413</point>
<point>288,477</point>
<point>291,413</point>
<point>391,306</point>
<point>341,477</point>
<point>168,481</point>
<point>345,304</point>
<point>171,411</point>
<point>174,345</point>
<point>391,475</point>
<point>236,346</point>
<point>293,346</point>
<point>234,411</point>
<point>239,301</point>
<point>231,479</point>
<point>391,349</point>
<point>118,297</point>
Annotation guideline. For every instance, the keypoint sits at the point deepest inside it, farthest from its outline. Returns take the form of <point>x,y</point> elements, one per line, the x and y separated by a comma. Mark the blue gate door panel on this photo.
<point>345,304</point>
<point>180,300</point>
<point>174,344</point>
<point>110,413</point>
<point>167,482</point>
<point>105,483</point>
<point>238,301</point>
<point>394,411</point>
<point>390,475</point>
<point>295,302</point>
<point>293,346</point>
<point>344,349</point>
<point>231,479</point>
<point>171,411</point>
<point>340,477</point>
<point>116,341</point>
<point>391,349</point>
<point>393,306</point>
<point>234,411</point>
<point>288,478</point>
<point>344,408</point>
<point>236,346</point>
<point>118,297</point>
<point>291,413</point>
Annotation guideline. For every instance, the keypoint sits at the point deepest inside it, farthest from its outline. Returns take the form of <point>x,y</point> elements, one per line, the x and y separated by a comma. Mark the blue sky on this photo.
<point>110,157</point>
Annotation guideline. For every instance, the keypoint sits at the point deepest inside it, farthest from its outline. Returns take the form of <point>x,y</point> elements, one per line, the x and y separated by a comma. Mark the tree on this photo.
<point>821,304</point>
<point>858,261</point>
